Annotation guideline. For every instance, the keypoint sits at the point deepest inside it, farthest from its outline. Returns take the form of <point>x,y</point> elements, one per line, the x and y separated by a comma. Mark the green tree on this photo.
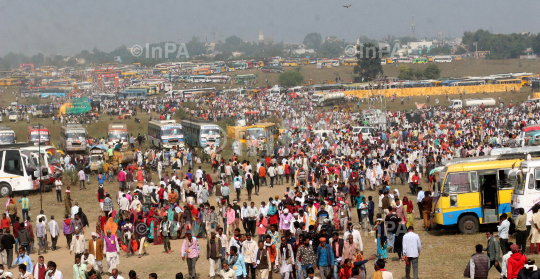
<point>313,40</point>
<point>290,78</point>
<point>369,63</point>
<point>233,40</point>
<point>536,44</point>
<point>405,73</point>
<point>432,71</point>
<point>460,50</point>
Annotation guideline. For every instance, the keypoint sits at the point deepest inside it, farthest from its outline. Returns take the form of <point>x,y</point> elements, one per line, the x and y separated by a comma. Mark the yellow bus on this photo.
<point>305,61</point>
<point>527,80</point>
<point>350,62</point>
<point>473,193</point>
<point>262,131</point>
<point>7,82</point>
<point>290,63</point>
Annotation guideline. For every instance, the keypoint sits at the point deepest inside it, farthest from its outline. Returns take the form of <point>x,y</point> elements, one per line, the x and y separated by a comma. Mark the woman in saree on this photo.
<point>111,225</point>
<point>410,210</point>
<point>381,237</point>
<point>67,200</point>
<point>198,230</point>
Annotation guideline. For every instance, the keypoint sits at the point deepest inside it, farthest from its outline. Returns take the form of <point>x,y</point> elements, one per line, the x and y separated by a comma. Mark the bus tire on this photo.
<point>468,224</point>
<point>5,190</point>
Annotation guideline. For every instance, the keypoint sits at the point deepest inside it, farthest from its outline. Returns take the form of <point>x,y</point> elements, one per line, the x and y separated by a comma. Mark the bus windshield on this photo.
<point>171,132</point>
<point>118,135</point>
<point>75,135</point>
<point>7,138</point>
<point>34,136</point>
<point>256,133</point>
<point>210,131</point>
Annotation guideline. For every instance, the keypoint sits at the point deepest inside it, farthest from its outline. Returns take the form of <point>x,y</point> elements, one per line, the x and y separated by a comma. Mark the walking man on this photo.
<point>411,250</point>
<point>54,231</point>
<point>111,249</point>
<point>190,250</point>
<point>493,251</point>
<point>165,228</point>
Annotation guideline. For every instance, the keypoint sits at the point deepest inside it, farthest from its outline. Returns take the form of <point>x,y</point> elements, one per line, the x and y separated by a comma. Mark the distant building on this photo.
<point>303,51</point>
<point>261,37</point>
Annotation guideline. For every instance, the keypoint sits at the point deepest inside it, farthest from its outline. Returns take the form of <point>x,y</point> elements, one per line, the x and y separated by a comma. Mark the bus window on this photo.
<point>457,183</point>
<point>503,179</point>
<point>536,182</point>
<point>13,164</point>
<point>474,182</point>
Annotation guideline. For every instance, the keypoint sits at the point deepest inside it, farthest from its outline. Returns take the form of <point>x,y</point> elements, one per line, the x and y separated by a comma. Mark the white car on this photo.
<point>13,115</point>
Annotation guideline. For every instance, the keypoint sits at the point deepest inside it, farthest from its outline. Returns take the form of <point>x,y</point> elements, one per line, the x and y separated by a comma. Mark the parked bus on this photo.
<point>350,62</point>
<point>73,138</point>
<point>263,132</point>
<point>50,160</point>
<point>218,79</point>
<point>197,79</point>
<point>188,93</point>
<point>242,79</point>
<point>165,133</point>
<point>470,194</point>
<point>272,69</point>
<point>290,63</point>
<point>404,59</point>
<point>442,59</point>
<point>118,133</point>
<point>17,170</point>
<point>39,134</point>
<point>420,60</point>
<point>200,132</point>
<point>526,184</point>
<point>7,135</point>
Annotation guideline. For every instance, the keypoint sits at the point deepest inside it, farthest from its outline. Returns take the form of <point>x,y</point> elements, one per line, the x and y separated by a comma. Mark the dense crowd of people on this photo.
<point>308,227</point>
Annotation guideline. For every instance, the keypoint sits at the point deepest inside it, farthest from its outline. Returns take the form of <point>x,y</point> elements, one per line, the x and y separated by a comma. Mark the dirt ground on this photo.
<point>445,252</point>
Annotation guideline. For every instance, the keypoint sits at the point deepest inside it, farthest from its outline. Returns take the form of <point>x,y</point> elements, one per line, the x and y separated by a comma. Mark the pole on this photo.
<point>39,167</point>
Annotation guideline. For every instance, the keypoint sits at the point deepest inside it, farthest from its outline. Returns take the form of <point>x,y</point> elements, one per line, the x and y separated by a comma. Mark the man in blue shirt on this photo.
<point>23,258</point>
<point>325,259</point>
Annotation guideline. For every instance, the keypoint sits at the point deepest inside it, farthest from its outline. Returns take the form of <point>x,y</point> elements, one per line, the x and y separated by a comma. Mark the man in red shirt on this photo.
<point>4,223</point>
<point>415,182</point>
<point>402,170</point>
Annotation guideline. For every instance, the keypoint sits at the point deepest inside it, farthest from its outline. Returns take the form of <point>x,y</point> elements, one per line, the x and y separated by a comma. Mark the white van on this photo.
<point>364,130</point>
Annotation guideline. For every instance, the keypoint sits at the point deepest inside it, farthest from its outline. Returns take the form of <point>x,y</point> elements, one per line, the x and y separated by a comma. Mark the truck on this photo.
<point>73,138</point>
<point>97,152</point>
<point>458,104</point>
<point>118,133</point>
<point>321,99</point>
<point>42,111</point>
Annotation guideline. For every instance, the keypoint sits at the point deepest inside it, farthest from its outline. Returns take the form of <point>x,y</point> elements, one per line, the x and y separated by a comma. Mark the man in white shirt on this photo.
<point>123,203</point>
<point>74,210</point>
<point>115,275</point>
<point>411,249</point>
<point>53,230</point>
<point>503,228</point>
<point>53,273</point>
<point>357,237</point>
<point>272,173</point>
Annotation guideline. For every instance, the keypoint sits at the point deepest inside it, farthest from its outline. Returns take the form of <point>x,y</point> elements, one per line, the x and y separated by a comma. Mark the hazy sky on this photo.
<point>69,26</point>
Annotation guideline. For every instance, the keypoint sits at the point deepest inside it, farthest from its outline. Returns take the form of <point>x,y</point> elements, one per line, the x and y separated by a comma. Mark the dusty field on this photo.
<point>467,67</point>
<point>444,255</point>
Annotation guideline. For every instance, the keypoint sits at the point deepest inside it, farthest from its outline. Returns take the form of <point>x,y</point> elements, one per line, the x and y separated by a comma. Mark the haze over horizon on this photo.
<point>68,27</point>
